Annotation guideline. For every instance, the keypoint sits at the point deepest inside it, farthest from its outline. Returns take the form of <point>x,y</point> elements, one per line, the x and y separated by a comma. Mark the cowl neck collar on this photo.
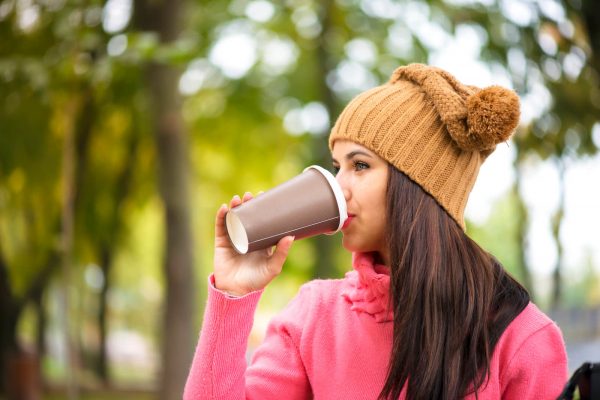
<point>368,287</point>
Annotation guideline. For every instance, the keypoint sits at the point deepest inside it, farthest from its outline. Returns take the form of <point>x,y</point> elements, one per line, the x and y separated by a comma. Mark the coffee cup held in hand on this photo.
<point>307,205</point>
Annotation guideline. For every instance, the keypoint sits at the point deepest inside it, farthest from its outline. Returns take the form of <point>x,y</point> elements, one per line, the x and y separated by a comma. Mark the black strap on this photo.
<point>587,379</point>
<point>595,381</point>
<point>572,383</point>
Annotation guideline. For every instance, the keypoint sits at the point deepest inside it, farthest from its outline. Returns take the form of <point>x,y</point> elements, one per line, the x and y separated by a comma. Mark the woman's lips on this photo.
<point>348,220</point>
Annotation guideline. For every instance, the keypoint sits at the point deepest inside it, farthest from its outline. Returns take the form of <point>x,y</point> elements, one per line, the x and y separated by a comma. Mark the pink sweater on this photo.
<point>333,341</point>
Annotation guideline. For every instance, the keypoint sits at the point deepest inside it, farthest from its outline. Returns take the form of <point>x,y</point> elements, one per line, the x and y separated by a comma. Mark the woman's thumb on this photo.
<point>281,251</point>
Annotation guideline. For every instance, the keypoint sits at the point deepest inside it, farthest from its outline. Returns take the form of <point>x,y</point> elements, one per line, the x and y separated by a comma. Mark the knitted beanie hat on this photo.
<point>433,128</point>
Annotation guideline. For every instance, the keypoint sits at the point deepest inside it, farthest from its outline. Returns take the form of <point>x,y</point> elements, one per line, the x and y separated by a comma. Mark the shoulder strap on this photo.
<point>572,383</point>
<point>595,381</point>
<point>587,379</point>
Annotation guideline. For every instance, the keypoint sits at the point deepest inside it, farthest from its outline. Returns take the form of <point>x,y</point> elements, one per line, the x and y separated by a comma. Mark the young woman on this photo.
<point>425,313</point>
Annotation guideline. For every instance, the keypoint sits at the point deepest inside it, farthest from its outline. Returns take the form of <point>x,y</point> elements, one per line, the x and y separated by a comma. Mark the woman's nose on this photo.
<point>344,185</point>
<point>346,194</point>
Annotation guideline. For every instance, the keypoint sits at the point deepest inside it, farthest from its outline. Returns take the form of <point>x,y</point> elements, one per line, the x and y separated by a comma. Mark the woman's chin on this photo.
<point>354,247</point>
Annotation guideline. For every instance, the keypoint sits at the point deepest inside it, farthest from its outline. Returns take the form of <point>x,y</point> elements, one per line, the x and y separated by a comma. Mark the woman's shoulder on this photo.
<point>531,357</point>
<point>529,321</point>
<point>321,292</point>
<point>532,331</point>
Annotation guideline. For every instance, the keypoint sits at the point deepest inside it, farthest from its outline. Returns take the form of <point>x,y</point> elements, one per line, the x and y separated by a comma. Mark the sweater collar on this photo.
<point>369,287</point>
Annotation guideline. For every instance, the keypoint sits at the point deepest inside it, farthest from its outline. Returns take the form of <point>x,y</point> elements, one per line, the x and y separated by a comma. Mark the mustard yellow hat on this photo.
<point>433,128</point>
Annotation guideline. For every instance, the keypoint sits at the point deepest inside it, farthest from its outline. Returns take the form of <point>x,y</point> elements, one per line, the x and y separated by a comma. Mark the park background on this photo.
<point>124,124</point>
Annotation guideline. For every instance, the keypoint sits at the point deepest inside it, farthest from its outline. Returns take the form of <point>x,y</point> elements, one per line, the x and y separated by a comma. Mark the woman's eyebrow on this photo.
<point>351,155</point>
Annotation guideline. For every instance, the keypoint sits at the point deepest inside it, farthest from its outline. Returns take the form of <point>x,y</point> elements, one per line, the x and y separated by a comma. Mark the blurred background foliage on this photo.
<point>124,124</point>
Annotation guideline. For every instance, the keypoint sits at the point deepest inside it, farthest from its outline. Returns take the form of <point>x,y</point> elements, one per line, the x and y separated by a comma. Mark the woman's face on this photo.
<point>363,177</point>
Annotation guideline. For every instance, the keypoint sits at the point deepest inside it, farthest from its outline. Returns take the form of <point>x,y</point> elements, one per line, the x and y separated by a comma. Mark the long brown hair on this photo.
<point>451,299</point>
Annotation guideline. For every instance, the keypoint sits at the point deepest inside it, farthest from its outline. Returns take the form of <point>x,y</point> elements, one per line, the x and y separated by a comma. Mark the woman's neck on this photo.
<point>382,258</point>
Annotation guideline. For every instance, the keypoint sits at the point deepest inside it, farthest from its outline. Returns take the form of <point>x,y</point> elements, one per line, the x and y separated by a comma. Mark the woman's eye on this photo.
<point>359,165</point>
<point>335,169</point>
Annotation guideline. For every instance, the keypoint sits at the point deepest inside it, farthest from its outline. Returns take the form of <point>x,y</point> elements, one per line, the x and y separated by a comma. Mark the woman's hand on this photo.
<point>240,274</point>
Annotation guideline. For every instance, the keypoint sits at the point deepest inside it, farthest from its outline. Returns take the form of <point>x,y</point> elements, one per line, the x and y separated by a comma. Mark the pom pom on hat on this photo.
<point>476,119</point>
<point>492,115</point>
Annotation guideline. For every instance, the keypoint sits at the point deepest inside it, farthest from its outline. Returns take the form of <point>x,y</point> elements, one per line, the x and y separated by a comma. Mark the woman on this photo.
<point>426,313</point>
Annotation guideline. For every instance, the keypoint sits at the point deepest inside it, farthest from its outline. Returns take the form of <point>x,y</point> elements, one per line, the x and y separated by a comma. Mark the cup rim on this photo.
<point>337,192</point>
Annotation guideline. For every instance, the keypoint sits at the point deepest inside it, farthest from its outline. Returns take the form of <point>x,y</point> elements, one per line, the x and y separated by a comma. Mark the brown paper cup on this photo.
<point>307,205</point>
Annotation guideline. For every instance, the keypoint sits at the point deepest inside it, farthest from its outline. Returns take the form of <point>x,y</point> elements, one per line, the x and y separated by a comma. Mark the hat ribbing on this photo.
<point>432,128</point>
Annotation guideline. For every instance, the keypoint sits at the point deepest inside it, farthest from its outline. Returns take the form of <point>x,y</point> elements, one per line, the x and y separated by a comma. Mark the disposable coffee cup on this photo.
<point>309,204</point>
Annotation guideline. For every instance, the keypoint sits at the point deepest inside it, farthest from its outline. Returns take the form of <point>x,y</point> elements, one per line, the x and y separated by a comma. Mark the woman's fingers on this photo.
<point>247,196</point>
<point>235,201</point>
<point>220,217</point>
<point>278,257</point>
<point>220,231</point>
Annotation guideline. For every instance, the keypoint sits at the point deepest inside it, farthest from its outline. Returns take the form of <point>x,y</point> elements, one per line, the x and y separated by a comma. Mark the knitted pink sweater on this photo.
<point>333,341</point>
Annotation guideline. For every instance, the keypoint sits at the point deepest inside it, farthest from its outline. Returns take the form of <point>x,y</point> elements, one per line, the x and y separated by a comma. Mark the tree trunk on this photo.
<point>8,343</point>
<point>108,248</point>
<point>19,372</point>
<point>67,222</point>
<point>102,361</point>
<point>522,218</point>
<point>23,376</point>
<point>75,145</point>
<point>325,245</point>
<point>591,16</point>
<point>557,221</point>
<point>178,345</point>
<point>10,312</point>
<point>173,163</point>
<point>40,329</point>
